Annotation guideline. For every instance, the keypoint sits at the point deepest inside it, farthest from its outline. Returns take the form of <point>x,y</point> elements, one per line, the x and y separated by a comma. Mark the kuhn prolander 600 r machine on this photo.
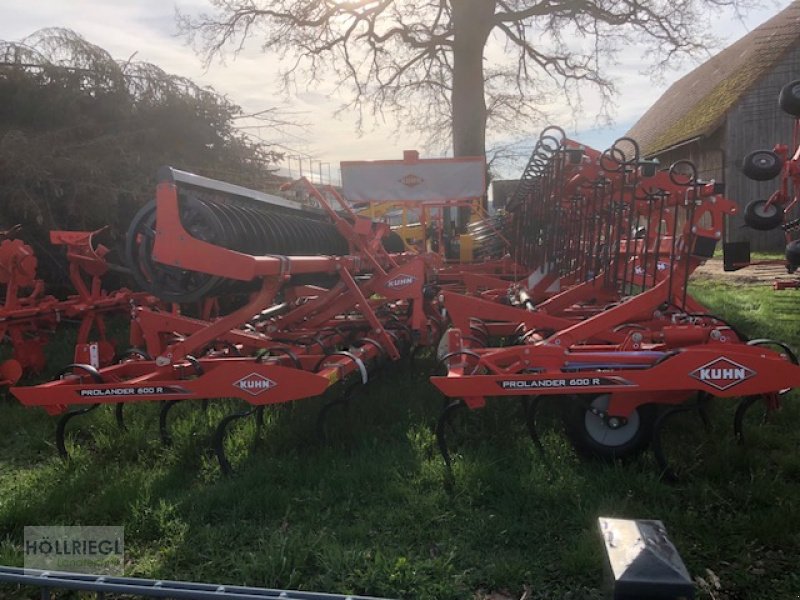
<point>604,324</point>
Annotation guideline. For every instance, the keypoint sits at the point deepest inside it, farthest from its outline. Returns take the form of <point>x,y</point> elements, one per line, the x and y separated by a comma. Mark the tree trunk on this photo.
<point>472,25</point>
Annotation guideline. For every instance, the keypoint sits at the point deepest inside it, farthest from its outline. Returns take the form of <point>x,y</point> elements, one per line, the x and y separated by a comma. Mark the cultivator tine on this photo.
<point>343,400</point>
<point>530,405</point>
<point>218,440</point>
<point>703,401</point>
<point>441,425</point>
<point>62,426</point>
<point>657,445</point>
<point>163,428</point>
<point>119,416</point>
<point>738,418</point>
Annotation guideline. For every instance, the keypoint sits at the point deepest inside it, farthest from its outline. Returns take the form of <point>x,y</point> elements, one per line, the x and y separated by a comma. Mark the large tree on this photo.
<point>449,67</point>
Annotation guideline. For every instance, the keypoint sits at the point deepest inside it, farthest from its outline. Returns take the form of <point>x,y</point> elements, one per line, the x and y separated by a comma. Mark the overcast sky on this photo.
<point>147,28</point>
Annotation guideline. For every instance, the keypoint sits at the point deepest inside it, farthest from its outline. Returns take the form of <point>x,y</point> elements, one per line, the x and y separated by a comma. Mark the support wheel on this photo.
<point>761,216</point>
<point>762,165</point>
<point>789,98</point>
<point>596,435</point>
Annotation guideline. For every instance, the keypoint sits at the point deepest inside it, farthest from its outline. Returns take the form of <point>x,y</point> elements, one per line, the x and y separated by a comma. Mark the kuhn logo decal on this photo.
<point>411,180</point>
<point>722,374</point>
<point>255,384</point>
<point>400,281</point>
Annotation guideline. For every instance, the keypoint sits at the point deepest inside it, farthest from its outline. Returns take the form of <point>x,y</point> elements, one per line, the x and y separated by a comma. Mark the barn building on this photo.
<point>726,108</point>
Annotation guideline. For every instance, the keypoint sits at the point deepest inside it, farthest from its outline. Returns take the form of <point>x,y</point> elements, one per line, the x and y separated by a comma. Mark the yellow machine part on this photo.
<point>466,243</point>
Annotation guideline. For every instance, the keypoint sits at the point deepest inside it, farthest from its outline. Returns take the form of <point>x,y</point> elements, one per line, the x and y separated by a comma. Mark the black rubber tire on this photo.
<point>793,256</point>
<point>393,243</point>
<point>576,417</point>
<point>789,98</point>
<point>759,216</point>
<point>762,165</point>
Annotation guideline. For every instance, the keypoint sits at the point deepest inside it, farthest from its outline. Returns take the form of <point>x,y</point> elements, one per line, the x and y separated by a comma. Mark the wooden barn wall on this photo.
<point>706,154</point>
<point>756,122</point>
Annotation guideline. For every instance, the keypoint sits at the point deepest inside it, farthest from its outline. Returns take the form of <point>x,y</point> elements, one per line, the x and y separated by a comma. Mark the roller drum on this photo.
<point>250,228</point>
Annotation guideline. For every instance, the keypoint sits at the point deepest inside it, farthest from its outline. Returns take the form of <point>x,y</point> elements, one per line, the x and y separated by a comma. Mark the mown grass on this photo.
<point>366,511</point>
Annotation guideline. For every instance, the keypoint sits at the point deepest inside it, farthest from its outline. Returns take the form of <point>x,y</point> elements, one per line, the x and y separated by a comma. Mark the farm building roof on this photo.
<point>696,105</point>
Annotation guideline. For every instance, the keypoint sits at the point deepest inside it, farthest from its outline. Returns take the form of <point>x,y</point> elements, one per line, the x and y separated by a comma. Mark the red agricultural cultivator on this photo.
<point>584,282</point>
<point>28,317</point>
<point>321,300</point>
<point>604,324</point>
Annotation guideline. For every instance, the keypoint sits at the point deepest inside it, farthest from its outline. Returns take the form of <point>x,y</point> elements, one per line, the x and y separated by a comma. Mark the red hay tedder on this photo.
<point>580,295</point>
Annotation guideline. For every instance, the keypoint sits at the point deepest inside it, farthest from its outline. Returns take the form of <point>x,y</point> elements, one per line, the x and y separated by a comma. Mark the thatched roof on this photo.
<point>696,105</point>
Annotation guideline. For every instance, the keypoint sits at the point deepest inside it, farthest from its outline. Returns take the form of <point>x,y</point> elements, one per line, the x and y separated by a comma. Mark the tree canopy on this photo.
<point>82,135</point>
<point>450,67</point>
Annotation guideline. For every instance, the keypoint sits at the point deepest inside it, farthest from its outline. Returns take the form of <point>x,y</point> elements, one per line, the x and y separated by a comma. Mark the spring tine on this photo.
<point>441,425</point>
<point>343,400</point>
<point>118,415</point>
<point>219,437</point>
<point>163,430</point>
<point>530,405</point>
<point>62,426</point>
<point>656,443</point>
<point>738,419</point>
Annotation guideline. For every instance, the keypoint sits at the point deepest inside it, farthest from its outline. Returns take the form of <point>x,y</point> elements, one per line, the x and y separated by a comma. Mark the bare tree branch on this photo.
<point>416,62</point>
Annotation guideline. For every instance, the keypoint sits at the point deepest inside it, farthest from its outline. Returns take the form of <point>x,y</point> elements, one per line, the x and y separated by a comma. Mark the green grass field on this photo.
<point>366,511</point>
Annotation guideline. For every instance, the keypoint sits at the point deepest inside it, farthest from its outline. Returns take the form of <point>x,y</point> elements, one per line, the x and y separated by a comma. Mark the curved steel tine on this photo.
<point>119,416</point>
<point>702,408</point>
<point>441,425</point>
<point>163,430</point>
<point>738,418</point>
<point>343,399</point>
<point>530,404</point>
<point>666,472</point>
<point>259,415</point>
<point>219,435</point>
<point>62,426</point>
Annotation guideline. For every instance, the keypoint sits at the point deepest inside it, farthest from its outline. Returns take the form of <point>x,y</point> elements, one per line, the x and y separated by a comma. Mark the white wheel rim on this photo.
<point>764,161</point>
<point>603,434</point>
<point>764,210</point>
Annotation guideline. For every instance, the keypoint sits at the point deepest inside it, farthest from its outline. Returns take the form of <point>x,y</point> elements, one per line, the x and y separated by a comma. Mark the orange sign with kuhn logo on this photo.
<point>401,281</point>
<point>255,384</point>
<point>411,180</point>
<point>722,373</point>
